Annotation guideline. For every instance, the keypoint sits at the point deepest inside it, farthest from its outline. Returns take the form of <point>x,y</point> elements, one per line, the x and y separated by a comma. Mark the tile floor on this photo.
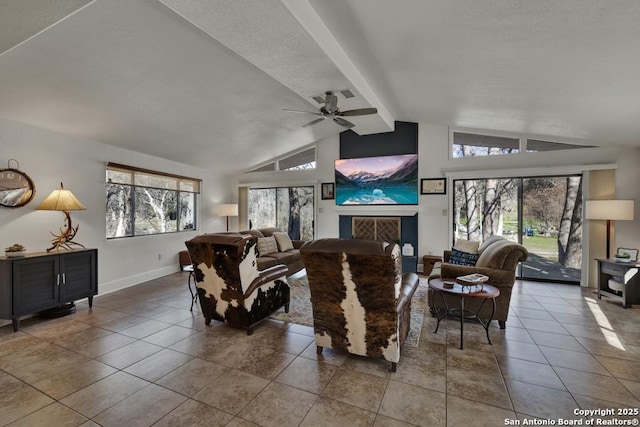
<point>141,358</point>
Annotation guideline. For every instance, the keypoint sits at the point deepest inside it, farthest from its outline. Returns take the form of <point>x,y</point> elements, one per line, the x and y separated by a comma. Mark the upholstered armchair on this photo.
<point>361,301</point>
<point>498,259</point>
<point>230,287</point>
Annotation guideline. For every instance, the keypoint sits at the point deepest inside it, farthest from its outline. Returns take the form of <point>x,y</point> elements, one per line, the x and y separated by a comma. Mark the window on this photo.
<point>142,202</point>
<point>472,145</point>
<point>301,160</point>
<point>466,144</point>
<point>288,208</point>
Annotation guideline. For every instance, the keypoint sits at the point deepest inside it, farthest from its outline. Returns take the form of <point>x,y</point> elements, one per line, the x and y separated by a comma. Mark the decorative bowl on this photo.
<point>616,259</point>
<point>15,254</point>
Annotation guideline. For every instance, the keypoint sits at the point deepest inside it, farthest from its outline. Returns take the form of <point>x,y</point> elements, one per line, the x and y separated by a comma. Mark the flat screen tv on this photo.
<point>383,180</point>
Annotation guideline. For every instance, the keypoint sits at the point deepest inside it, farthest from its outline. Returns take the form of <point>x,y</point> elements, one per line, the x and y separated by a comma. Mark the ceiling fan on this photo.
<point>331,111</point>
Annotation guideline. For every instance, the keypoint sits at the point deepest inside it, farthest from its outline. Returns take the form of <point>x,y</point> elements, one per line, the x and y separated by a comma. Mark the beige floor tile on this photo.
<point>520,350</point>
<point>414,405</point>
<point>229,354</point>
<point>470,361</point>
<point>116,325</point>
<point>20,352</point>
<point>478,386</point>
<point>77,338</point>
<point>176,316</point>
<point>169,336</point>
<point>614,348</point>
<point>549,339</point>
<point>541,402</point>
<point>17,399</point>
<point>158,364</point>
<point>529,313</point>
<point>632,386</point>
<point>543,325</point>
<point>367,365</point>
<point>192,377</point>
<point>102,345</point>
<point>424,373</point>
<point>52,415</point>
<point>463,412</point>
<point>356,388</point>
<point>328,355</point>
<point>231,391</point>
<point>143,408</point>
<point>61,384</point>
<point>129,354</point>
<point>573,359</point>
<point>144,329</point>
<point>103,394</point>
<point>621,368</point>
<point>264,362</point>
<point>328,412</point>
<point>239,422</point>
<point>279,405</point>
<point>309,375</point>
<point>200,343</point>
<point>48,364</point>
<point>384,421</point>
<point>195,414</point>
<point>596,386</point>
<point>529,372</point>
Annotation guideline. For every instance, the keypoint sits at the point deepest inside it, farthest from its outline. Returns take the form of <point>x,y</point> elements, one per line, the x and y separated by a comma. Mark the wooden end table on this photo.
<point>484,291</point>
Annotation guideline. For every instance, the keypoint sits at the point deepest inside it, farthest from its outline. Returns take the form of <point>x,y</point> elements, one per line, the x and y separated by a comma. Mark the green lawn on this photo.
<point>542,245</point>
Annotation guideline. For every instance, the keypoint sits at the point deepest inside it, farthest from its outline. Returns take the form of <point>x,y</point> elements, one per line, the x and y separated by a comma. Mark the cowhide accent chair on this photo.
<point>361,301</point>
<point>230,287</point>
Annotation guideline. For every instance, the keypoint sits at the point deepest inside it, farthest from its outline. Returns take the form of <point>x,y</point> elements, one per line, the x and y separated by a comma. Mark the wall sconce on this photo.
<point>227,210</point>
<point>63,200</point>
<point>610,210</point>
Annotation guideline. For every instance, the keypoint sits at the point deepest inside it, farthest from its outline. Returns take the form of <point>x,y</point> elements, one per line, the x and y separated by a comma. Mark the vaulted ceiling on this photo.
<point>204,82</point>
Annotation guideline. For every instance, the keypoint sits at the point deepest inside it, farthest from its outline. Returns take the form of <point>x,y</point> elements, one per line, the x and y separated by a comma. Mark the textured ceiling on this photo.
<point>204,81</point>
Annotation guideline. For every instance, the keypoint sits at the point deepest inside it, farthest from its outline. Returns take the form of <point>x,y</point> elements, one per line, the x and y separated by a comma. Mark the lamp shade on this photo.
<point>610,209</point>
<point>227,210</point>
<point>61,200</point>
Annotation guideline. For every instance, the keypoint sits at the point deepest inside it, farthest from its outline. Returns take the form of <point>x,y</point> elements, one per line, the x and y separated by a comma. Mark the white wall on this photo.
<point>434,223</point>
<point>49,158</point>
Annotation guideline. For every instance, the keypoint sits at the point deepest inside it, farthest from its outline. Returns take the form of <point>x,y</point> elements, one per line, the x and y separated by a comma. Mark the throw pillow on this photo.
<point>284,241</point>
<point>267,245</point>
<point>468,246</point>
<point>462,258</point>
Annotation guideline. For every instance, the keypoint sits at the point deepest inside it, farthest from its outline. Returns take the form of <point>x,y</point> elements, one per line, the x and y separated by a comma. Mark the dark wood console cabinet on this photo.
<point>628,274</point>
<point>40,281</point>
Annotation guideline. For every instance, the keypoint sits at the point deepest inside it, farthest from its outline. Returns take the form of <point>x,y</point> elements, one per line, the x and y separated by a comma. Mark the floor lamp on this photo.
<point>227,210</point>
<point>610,210</point>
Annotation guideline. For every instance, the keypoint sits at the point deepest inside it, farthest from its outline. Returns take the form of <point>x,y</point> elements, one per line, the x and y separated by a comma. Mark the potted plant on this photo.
<point>622,257</point>
<point>15,250</point>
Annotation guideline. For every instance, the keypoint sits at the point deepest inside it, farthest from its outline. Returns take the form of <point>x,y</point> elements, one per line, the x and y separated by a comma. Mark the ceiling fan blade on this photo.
<point>315,113</point>
<point>313,122</point>
<point>358,112</point>
<point>343,122</point>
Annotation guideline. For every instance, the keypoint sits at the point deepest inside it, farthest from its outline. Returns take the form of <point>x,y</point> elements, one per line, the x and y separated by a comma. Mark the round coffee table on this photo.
<point>484,291</point>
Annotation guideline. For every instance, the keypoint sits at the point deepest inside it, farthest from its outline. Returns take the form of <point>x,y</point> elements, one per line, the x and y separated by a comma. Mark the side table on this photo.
<point>484,291</point>
<point>428,262</point>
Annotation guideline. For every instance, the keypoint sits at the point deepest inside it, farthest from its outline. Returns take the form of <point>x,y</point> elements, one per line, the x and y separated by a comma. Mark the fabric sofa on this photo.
<point>497,258</point>
<point>360,299</point>
<point>230,287</point>
<point>290,256</point>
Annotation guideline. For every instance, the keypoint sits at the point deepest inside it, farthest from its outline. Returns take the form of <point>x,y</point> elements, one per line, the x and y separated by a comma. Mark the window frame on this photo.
<point>180,188</point>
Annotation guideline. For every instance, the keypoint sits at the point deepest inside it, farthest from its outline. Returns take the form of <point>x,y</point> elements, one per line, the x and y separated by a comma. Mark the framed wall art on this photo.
<point>433,186</point>
<point>328,191</point>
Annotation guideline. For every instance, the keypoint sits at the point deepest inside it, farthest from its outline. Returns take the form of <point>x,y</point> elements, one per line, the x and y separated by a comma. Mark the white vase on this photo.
<point>407,249</point>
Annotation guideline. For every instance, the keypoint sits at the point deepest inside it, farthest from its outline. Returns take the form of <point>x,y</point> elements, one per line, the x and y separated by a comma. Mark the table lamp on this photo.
<point>227,210</point>
<point>63,200</point>
<point>610,210</point>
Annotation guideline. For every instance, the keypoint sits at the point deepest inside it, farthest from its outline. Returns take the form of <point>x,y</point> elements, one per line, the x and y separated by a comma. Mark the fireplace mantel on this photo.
<point>377,210</point>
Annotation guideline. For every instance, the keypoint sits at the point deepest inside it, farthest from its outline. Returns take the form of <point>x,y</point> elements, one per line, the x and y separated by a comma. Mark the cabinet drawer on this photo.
<point>613,269</point>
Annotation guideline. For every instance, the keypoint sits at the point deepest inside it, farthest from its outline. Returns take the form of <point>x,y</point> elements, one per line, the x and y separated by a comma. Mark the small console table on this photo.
<point>486,292</point>
<point>628,274</point>
<point>40,281</point>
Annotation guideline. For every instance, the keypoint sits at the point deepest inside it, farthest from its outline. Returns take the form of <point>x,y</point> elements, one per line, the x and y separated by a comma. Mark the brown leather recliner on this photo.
<point>498,260</point>
<point>361,300</point>
<point>230,287</point>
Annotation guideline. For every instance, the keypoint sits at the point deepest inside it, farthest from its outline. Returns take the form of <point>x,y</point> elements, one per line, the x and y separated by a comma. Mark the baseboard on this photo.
<point>125,282</point>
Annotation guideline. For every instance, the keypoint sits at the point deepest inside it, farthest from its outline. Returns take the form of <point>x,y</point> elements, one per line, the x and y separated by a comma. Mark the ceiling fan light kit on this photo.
<point>331,111</point>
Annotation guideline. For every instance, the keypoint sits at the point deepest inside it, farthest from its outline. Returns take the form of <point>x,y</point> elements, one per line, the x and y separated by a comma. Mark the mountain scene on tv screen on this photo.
<point>386,180</point>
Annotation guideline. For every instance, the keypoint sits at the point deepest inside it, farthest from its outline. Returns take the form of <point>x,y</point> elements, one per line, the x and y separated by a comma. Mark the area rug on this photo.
<point>300,308</point>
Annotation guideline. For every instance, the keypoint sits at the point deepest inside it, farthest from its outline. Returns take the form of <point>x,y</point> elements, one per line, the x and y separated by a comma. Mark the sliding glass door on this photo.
<point>288,208</point>
<point>542,213</point>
